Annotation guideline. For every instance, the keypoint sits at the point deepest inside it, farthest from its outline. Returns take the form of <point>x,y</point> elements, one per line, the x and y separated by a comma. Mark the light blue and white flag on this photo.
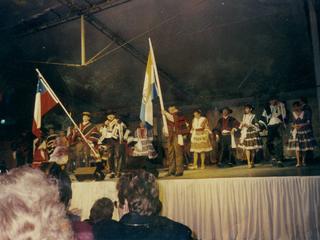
<point>150,92</point>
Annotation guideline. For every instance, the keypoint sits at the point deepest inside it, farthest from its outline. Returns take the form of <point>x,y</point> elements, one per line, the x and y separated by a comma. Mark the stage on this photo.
<point>265,202</point>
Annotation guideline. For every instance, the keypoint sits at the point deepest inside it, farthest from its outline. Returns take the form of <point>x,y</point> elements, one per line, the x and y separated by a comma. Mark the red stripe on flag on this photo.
<point>47,102</point>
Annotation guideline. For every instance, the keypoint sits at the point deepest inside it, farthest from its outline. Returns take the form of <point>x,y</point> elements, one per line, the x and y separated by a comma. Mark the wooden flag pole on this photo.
<point>54,96</point>
<point>165,126</point>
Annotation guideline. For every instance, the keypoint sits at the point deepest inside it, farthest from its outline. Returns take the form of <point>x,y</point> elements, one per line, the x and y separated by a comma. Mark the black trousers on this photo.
<point>112,150</point>
<point>275,142</point>
<point>226,152</point>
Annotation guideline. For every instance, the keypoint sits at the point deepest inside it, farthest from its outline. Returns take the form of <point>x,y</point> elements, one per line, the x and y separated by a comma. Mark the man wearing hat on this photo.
<point>224,132</point>
<point>91,135</point>
<point>272,123</point>
<point>178,132</point>
<point>110,140</point>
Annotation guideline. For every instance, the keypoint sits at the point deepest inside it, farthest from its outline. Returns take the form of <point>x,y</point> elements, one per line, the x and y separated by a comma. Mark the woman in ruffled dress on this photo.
<point>301,138</point>
<point>143,150</point>
<point>250,140</point>
<point>60,153</point>
<point>200,141</point>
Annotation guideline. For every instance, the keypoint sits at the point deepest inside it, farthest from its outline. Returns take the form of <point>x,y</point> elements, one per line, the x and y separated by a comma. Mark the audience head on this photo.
<point>101,209</point>
<point>56,174</point>
<point>139,191</point>
<point>30,207</point>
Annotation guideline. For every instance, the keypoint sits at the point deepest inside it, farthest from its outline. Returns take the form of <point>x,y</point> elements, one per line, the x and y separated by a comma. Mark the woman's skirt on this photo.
<point>59,155</point>
<point>200,142</point>
<point>252,141</point>
<point>144,148</point>
<point>302,140</point>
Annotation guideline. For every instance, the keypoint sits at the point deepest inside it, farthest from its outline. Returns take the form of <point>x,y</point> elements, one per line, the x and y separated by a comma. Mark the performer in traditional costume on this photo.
<point>91,135</point>
<point>72,152</point>
<point>22,148</point>
<point>178,132</point>
<point>302,138</point>
<point>224,131</point>
<point>39,151</point>
<point>307,109</point>
<point>143,149</point>
<point>272,123</point>
<point>49,141</point>
<point>125,138</point>
<point>200,141</point>
<point>60,153</point>
<point>250,140</point>
<point>109,139</point>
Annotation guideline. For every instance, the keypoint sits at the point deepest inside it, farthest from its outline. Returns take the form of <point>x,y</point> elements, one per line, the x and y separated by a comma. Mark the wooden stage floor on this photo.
<point>240,171</point>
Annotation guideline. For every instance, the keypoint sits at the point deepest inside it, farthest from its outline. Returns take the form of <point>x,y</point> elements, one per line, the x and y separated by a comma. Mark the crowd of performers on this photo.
<point>113,143</point>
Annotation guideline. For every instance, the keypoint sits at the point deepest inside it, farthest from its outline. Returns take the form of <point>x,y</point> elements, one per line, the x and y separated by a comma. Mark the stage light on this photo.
<point>3,121</point>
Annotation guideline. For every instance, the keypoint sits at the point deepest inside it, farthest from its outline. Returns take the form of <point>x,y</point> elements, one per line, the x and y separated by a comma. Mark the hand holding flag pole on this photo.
<point>155,71</point>
<point>54,96</point>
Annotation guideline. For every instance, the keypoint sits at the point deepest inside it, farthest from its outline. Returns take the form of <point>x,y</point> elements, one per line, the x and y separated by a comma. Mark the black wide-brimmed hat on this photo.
<point>227,108</point>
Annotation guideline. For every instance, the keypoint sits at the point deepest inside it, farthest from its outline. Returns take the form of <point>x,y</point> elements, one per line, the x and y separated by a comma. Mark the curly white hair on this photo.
<point>30,207</point>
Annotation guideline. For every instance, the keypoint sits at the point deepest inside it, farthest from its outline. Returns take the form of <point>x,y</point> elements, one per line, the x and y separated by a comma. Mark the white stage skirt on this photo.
<point>229,208</point>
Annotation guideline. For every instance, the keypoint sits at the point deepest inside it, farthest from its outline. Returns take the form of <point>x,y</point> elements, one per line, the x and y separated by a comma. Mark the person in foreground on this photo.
<point>101,209</point>
<point>30,207</point>
<point>138,194</point>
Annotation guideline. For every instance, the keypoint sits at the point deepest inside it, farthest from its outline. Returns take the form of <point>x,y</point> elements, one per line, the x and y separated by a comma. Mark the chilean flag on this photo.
<point>44,102</point>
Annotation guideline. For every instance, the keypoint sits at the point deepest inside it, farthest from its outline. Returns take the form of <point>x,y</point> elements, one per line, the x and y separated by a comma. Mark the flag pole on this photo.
<point>165,126</point>
<point>54,96</point>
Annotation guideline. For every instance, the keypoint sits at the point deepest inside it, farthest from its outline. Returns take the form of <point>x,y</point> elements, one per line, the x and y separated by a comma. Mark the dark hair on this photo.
<point>101,209</point>
<point>296,103</point>
<point>141,191</point>
<point>249,106</point>
<point>197,111</point>
<point>304,100</point>
<point>56,174</point>
<point>272,97</point>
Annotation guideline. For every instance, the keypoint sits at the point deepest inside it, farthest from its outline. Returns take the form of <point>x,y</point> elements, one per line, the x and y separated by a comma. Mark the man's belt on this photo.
<point>275,125</point>
<point>225,134</point>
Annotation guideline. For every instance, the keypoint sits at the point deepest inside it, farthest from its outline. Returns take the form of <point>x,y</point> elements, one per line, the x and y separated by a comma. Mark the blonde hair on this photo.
<point>30,207</point>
